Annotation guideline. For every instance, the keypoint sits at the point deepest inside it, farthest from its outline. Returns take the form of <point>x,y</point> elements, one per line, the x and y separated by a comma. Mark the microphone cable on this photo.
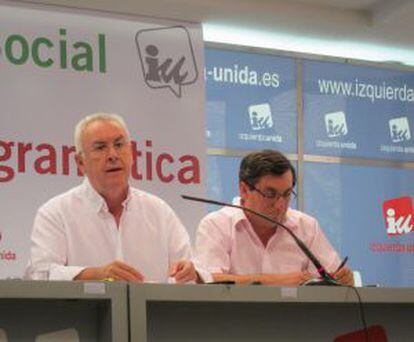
<point>361,310</point>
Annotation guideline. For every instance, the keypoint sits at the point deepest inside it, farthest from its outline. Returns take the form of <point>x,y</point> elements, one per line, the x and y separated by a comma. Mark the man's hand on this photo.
<point>183,272</point>
<point>116,270</point>
<point>344,276</point>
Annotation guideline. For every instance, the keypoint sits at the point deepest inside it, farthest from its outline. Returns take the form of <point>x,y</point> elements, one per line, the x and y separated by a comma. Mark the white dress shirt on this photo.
<point>75,230</point>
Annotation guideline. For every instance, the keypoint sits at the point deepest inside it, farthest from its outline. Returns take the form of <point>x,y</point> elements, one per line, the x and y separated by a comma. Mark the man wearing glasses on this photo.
<point>235,245</point>
<point>105,228</point>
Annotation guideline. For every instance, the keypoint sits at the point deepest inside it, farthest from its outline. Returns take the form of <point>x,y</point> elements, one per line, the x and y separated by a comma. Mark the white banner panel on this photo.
<point>55,68</point>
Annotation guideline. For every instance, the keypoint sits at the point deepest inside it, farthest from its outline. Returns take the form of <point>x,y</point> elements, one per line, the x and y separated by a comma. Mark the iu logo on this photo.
<point>260,116</point>
<point>335,124</point>
<point>167,58</point>
<point>398,213</point>
<point>399,129</point>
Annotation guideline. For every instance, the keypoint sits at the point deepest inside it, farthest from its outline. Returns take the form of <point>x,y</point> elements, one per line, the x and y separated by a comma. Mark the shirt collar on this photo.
<point>239,217</point>
<point>97,201</point>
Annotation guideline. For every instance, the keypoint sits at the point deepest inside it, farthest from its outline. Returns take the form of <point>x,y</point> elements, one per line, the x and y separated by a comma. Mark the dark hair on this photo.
<point>266,162</point>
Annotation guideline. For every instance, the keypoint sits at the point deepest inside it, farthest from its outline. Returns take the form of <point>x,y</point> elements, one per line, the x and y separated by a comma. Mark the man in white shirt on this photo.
<point>104,228</point>
<point>235,245</point>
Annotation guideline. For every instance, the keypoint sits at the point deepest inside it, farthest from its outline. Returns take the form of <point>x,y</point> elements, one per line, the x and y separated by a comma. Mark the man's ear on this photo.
<point>79,162</point>
<point>243,189</point>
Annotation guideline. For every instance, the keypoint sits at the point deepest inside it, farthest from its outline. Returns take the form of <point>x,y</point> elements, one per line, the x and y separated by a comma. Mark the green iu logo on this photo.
<point>45,53</point>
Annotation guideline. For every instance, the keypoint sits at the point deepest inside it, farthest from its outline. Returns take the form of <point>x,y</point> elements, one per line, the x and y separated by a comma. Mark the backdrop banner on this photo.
<point>60,66</point>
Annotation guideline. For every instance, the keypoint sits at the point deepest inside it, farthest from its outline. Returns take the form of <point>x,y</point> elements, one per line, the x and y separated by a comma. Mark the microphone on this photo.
<point>325,277</point>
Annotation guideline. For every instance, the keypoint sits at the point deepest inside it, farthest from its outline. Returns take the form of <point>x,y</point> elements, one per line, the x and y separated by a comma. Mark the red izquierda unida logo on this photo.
<point>398,215</point>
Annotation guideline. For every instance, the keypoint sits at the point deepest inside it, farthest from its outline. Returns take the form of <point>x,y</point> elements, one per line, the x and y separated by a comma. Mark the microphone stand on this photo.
<point>325,277</point>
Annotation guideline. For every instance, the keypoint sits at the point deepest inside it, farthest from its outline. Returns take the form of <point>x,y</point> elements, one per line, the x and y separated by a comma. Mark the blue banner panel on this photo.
<point>358,111</point>
<point>251,101</point>
<point>223,179</point>
<point>367,213</point>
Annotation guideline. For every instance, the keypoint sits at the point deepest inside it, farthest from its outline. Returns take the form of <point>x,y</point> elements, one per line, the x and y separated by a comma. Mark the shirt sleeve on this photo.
<point>323,250</point>
<point>212,245</point>
<point>180,245</point>
<point>48,256</point>
<point>179,242</point>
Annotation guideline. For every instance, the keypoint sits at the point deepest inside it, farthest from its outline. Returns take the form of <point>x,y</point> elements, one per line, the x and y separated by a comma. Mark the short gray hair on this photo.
<point>82,124</point>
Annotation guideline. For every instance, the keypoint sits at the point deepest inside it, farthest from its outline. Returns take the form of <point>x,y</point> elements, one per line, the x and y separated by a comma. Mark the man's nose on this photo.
<point>112,153</point>
<point>279,203</point>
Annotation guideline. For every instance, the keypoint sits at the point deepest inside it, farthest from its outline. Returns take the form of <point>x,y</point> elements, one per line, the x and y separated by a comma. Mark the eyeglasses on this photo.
<point>273,194</point>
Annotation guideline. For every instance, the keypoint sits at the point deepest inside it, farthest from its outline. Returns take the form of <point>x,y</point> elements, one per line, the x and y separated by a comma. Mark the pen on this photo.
<point>342,264</point>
